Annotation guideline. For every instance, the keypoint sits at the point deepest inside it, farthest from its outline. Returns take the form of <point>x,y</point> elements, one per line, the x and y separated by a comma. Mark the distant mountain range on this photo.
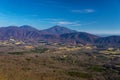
<point>57,34</point>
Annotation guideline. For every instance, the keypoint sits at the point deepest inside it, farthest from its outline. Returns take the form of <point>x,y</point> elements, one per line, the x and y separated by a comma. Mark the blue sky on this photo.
<point>94,16</point>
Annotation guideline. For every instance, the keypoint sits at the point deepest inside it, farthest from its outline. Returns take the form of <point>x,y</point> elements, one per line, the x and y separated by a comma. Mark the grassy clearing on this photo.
<point>96,68</point>
<point>16,53</point>
<point>79,74</point>
<point>39,50</point>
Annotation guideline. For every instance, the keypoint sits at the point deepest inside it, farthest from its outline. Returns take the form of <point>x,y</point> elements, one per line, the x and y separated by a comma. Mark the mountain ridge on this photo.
<point>57,34</point>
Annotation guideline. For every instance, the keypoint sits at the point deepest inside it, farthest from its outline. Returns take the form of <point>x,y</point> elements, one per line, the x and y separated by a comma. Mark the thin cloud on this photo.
<point>84,11</point>
<point>67,23</point>
<point>61,22</point>
<point>64,23</point>
<point>89,10</point>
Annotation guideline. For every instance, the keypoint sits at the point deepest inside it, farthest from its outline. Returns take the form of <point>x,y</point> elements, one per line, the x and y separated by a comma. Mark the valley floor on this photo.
<point>51,64</point>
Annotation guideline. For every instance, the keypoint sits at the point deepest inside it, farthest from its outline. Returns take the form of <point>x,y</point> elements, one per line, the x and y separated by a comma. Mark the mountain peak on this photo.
<point>58,27</point>
<point>12,26</point>
<point>57,30</point>
<point>26,26</point>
